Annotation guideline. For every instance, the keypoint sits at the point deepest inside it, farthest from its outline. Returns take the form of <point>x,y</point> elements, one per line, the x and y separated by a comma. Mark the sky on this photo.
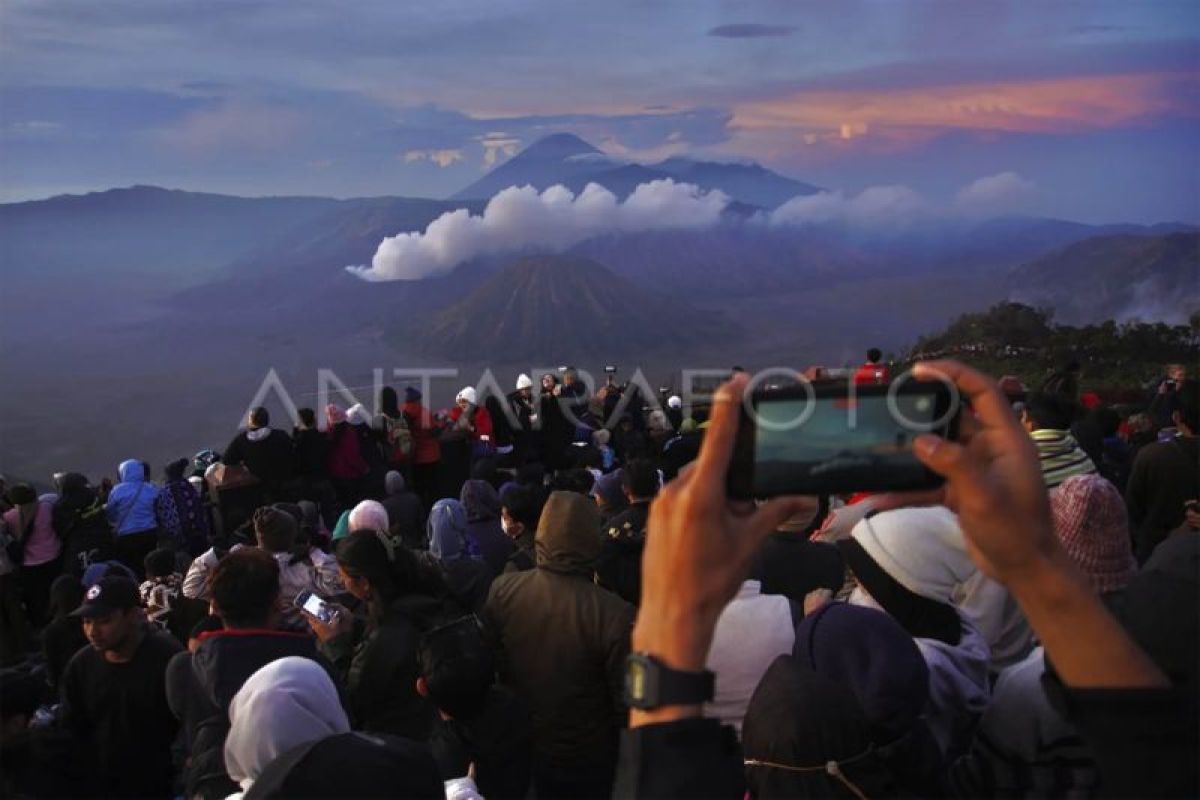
<point>1091,108</point>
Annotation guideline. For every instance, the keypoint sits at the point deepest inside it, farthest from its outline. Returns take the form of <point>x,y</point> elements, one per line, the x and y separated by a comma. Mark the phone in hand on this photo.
<point>311,603</point>
<point>838,439</point>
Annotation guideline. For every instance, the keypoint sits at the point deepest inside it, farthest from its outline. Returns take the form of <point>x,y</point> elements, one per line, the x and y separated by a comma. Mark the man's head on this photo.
<point>1047,412</point>
<point>308,419</point>
<point>159,563</point>
<point>259,418</point>
<point>22,494</point>
<point>1187,409</point>
<point>456,668</point>
<point>570,375</point>
<point>111,614</point>
<point>245,588</point>
<point>276,530</point>
<point>519,511</point>
<point>1177,373</point>
<point>641,480</point>
<point>873,355</point>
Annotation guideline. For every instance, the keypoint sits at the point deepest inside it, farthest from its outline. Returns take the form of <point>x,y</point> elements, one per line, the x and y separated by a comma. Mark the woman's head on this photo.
<point>447,529</point>
<point>378,568</point>
<point>369,515</point>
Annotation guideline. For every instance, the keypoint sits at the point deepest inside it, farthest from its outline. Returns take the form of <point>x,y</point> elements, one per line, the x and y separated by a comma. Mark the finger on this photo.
<point>894,500</point>
<point>948,459</point>
<point>986,398</point>
<point>713,462</point>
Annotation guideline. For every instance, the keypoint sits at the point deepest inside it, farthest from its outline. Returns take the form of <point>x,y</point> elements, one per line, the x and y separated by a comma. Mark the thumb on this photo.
<point>946,458</point>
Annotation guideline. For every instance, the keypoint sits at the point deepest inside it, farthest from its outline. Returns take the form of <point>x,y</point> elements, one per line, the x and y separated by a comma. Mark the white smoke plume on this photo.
<point>519,218</point>
<point>876,206</point>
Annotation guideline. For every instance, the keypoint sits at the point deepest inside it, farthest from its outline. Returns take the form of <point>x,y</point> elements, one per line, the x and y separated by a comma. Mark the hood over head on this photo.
<point>447,528</point>
<point>568,537</point>
<point>131,471</point>
<point>393,483</point>
<point>480,500</point>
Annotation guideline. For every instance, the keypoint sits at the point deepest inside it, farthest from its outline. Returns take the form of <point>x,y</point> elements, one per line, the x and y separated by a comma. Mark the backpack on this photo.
<point>399,437</point>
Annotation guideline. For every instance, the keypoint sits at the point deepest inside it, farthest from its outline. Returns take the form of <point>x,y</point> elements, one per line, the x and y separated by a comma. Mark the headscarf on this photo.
<point>447,529</point>
<point>480,500</point>
<point>287,703</point>
<point>393,483</point>
<point>369,515</point>
<point>806,736</point>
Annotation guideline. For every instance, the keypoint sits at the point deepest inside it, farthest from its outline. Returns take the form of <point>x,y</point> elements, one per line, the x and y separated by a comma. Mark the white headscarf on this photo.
<point>369,515</point>
<point>285,704</point>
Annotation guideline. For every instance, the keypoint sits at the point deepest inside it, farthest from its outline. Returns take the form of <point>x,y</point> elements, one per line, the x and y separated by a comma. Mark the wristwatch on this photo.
<point>651,684</point>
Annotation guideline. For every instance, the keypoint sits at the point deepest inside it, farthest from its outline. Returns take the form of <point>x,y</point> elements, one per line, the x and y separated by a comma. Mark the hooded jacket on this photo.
<point>465,574</point>
<point>130,506</point>
<point>561,641</point>
<point>482,505</point>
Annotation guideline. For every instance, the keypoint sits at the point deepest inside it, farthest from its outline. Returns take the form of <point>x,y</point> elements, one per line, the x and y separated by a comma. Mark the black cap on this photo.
<point>110,594</point>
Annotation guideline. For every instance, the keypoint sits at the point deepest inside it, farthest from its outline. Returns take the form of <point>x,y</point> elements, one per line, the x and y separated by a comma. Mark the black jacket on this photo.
<point>619,568</point>
<point>310,449</point>
<point>1165,475</point>
<point>269,459</point>
<point>499,742</point>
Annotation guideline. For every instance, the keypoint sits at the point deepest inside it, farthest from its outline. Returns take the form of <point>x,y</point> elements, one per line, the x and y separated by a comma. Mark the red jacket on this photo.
<point>483,421</point>
<point>426,449</point>
<point>871,374</point>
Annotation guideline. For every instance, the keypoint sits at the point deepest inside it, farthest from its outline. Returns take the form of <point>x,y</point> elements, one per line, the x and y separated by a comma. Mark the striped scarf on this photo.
<point>1061,457</point>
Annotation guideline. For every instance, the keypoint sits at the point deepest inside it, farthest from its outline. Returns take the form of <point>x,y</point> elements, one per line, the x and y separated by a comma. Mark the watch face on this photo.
<point>635,680</point>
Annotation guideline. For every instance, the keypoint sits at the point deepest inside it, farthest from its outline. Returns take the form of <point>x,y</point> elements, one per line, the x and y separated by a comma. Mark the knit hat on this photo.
<point>921,548</point>
<point>411,394</point>
<point>1091,522</point>
<point>468,394</point>
<point>357,414</point>
<point>675,401</point>
<point>524,381</point>
<point>334,414</point>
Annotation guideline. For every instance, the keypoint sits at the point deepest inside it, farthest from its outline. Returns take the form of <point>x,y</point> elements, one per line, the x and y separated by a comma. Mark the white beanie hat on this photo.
<point>467,393</point>
<point>675,401</point>
<point>357,414</point>
<point>921,548</point>
<point>524,381</point>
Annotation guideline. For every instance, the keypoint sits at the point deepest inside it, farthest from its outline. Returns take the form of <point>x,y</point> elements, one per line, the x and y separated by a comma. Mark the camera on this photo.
<point>610,369</point>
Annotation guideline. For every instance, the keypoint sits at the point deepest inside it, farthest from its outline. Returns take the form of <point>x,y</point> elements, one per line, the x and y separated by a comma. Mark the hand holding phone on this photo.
<point>311,603</point>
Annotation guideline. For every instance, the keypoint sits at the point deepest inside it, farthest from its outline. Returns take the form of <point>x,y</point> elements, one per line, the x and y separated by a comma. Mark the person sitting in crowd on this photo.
<point>130,509</point>
<point>620,564</point>
<point>520,509</point>
<point>290,737</point>
<point>571,680</point>
<point>467,576</point>
<point>36,550</point>
<point>1048,419</point>
<point>114,699</point>
<point>63,635</point>
<point>609,492</point>
<point>376,656</point>
<point>181,514</point>
<point>264,451</point>
<point>1165,476</point>
<point>80,521</point>
<point>484,530</point>
<point>406,516</point>
<point>162,596</point>
<point>481,726</point>
<point>246,598</point>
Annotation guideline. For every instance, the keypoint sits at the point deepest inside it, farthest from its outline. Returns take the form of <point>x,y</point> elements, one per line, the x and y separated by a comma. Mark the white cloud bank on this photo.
<point>519,218</point>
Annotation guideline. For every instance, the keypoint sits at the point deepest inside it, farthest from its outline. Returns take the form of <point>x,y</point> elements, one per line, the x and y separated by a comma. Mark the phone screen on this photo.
<point>317,607</point>
<point>837,443</point>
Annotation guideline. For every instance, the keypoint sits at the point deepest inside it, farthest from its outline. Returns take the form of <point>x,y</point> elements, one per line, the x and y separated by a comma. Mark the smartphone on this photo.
<point>311,603</point>
<point>838,439</point>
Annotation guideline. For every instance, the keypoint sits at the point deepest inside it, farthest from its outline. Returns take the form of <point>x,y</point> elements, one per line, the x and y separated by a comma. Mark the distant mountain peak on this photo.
<point>559,146</point>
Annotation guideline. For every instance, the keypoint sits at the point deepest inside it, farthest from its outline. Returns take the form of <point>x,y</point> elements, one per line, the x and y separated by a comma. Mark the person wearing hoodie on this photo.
<point>201,685</point>
<point>290,737</point>
<point>81,523</point>
<point>264,451</point>
<point>520,509</point>
<point>377,656</point>
<point>484,529</point>
<point>466,575</point>
<point>909,563</point>
<point>181,512</point>
<point>573,680</point>
<point>31,523</point>
<point>130,509</point>
<point>406,515</point>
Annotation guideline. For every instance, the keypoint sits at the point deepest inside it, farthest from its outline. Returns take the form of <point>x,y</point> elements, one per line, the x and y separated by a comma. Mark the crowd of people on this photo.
<point>549,595</point>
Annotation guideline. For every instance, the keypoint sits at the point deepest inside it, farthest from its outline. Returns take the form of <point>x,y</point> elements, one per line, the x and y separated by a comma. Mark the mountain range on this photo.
<point>145,318</point>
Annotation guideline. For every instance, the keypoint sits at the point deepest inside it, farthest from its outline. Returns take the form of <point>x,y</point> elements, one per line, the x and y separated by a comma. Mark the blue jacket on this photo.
<point>132,499</point>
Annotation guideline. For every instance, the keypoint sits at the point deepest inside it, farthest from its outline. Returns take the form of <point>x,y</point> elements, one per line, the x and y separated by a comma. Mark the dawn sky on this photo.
<point>1093,106</point>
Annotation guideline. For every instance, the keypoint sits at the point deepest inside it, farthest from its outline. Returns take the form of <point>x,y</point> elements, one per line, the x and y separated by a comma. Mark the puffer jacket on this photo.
<point>572,681</point>
<point>130,506</point>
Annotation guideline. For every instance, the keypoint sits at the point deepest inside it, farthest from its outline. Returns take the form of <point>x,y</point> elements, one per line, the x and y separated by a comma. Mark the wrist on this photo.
<point>680,641</point>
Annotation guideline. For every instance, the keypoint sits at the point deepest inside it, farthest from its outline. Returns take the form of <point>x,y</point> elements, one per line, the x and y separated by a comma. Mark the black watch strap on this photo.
<point>651,684</point>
